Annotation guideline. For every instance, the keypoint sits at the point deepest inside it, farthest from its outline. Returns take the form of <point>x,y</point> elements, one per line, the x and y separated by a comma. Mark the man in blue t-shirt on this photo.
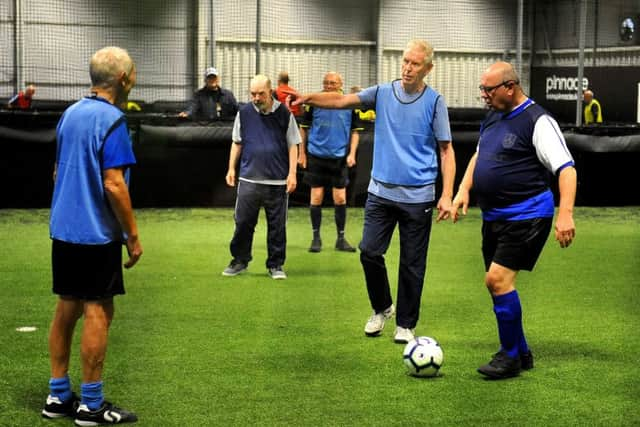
<point>411,131</point>
<point>91,218</point>
<point>520,145</point>
<point>265,143</point>
<point>329,144</point>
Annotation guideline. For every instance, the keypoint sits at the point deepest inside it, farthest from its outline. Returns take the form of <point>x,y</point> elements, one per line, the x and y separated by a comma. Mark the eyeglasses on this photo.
<point>490,89</point>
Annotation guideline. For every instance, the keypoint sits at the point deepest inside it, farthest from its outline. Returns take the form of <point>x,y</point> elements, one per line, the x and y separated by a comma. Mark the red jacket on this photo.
<point>282,91</point>
<point>20,101</point>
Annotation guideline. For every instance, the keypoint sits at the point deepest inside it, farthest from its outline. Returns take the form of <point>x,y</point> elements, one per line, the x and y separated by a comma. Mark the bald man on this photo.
<point>330,140</point>
<point>592,109</point>
<point>265,143</point>
<point>520,145</point>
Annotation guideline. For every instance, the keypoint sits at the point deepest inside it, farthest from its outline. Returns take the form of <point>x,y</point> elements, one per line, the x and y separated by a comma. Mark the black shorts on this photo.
<point>326,172</point>
<point>87,272</point>
<point>514,244</point>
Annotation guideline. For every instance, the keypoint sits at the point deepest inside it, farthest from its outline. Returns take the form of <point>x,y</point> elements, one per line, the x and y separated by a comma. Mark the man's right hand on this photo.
<point>231,178</point>
<point>134,249</point>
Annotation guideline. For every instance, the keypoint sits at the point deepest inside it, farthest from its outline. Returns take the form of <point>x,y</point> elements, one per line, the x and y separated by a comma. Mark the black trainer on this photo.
<point>235,268</point>
<point>343,245</point>
<point>54,408</point>
<point>501,366</point>
<point>526,361</point>
<point>316,245</point>
<point>107,414</point>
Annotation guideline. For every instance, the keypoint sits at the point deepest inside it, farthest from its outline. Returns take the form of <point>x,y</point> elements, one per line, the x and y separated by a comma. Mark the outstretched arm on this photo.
<point>333,100</point>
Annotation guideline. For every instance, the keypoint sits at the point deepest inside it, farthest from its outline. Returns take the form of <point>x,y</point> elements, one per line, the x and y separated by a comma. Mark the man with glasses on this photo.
<point>411,131</point>
<point>329,143</point>
<point>520,144</point>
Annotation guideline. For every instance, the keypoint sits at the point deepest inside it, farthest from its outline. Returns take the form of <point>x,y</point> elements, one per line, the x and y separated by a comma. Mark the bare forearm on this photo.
<point>293,160</point>
<point>331,100</point>
<point>234,155</point>
<point>448,161</point>
<point>467,180</point>
<point>567,183</point>
<point>120,201</point>
<point>355,140</point>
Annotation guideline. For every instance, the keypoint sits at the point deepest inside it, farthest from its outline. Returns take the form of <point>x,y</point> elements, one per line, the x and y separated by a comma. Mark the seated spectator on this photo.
<point>23,99</point>
<point>367,115</point>
<point>211,102</point>
<point>283,90</point>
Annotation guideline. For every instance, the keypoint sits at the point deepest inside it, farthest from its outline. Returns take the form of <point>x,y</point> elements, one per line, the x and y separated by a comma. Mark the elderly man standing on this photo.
<point>592,109</point>
<point>520,143</point>
<point>411,130</point>
<point>265,143</point>
<point>91,218</point>
<point>329,143</point>
<point>211,102</point>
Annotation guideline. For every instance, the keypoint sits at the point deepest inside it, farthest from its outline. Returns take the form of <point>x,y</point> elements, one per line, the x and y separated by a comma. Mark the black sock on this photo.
<point>341,218</point>
<point>316,219</point>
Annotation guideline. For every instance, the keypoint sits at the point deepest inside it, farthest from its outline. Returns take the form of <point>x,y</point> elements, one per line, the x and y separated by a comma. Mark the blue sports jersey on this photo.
<point>407,130</point>
<point>91,136</point>
<point>330,132</point>
<point>509,180</point>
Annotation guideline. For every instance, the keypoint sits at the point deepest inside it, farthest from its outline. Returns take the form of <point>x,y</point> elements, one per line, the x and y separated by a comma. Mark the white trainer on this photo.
<point>375,324</point>
<point>404,335</point>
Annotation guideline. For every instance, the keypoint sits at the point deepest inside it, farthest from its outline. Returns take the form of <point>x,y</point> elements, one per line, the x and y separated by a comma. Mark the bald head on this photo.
<point>260,88</point>
<point>588,96</point>
<point>500,87</point>
<point>283,77</point>
<point>332,82</point>
<point>503,72</point>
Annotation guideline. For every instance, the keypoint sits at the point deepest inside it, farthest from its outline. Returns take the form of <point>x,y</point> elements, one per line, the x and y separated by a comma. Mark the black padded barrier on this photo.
<point>181,163</point>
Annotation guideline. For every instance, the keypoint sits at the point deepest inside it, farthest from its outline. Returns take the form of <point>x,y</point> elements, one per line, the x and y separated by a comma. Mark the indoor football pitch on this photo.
<point>189,347</point>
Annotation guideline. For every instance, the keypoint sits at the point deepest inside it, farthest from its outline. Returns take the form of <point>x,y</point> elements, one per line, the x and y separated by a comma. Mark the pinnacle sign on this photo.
<point>560,88</point>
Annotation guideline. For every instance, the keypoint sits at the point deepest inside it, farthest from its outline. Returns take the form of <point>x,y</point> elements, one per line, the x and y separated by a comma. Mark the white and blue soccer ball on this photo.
<point>423,357</point>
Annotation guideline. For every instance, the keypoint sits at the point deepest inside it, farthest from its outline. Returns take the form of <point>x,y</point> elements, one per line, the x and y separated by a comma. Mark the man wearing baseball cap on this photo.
<point>211,102</point>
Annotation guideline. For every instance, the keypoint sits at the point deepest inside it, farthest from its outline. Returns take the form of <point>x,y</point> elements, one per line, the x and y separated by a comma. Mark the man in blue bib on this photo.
<point>411,131</point>
<point>329,143</point>
<point>91,219</point>
<point>520,145</point>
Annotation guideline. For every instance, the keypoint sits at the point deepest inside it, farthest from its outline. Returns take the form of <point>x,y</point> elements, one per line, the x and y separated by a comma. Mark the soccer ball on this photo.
<point>423,357</point>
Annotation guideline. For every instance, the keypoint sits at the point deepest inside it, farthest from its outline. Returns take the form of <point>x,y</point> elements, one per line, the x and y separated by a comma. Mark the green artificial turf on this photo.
<point>189,347</point>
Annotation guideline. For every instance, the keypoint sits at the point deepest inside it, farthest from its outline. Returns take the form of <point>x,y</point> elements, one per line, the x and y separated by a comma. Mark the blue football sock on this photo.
<point>60,388</point>
<point>509,316</point>
<point>92,395</point>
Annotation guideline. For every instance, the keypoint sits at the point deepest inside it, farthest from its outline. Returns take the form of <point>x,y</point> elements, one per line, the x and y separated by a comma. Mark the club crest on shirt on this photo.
<point>509,140</point>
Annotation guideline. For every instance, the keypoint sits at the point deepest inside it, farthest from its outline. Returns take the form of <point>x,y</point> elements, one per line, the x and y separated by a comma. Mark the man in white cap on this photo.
<point>211,102</point>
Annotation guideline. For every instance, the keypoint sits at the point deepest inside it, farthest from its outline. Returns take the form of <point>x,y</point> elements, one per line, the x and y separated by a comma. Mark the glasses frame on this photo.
<point>488,90</point>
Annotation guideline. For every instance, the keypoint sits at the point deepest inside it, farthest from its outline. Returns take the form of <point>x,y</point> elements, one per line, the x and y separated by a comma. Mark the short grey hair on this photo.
<point>423,46</point>
<point>261,79</point>
<point>107,64</point>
